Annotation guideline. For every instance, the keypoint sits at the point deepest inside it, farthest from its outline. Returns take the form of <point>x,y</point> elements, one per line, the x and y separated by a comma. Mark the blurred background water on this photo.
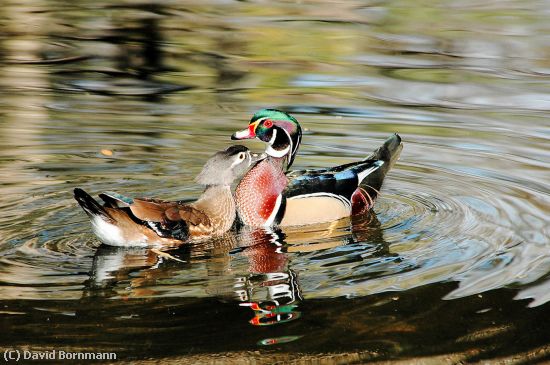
<point>452,265</point>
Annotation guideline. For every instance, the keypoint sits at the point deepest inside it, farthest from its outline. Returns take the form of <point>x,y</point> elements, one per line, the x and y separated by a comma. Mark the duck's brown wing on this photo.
<point>174,219</point>
<point>154,210</point>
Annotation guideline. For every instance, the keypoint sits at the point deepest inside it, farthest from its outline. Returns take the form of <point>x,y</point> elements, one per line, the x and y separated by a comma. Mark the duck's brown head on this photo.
<point>227,165</point>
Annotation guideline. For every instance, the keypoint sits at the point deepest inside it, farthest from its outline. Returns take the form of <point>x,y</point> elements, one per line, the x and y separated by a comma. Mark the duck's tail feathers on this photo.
<point>91,206</point>
<point>389,153</point>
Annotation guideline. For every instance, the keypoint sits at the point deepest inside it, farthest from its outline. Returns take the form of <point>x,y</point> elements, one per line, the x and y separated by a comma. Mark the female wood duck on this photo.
<point>269,195</point>
<point>124,221</point>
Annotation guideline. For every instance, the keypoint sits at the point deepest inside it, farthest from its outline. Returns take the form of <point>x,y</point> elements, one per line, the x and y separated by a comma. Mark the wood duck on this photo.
<point>270,195</point>
<point>123,221</point>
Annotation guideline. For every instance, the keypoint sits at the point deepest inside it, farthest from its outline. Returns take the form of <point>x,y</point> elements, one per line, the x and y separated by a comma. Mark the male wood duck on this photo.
<point>270,195</point>
<point>123,221</point>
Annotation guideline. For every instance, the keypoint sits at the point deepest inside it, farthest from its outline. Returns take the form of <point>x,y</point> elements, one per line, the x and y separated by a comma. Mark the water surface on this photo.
<point>453,264</point>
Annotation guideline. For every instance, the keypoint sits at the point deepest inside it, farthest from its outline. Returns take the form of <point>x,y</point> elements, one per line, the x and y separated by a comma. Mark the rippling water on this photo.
<point>453,264</point>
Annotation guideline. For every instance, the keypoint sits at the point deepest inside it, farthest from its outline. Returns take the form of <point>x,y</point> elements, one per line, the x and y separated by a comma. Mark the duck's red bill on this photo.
<point>248,133</point>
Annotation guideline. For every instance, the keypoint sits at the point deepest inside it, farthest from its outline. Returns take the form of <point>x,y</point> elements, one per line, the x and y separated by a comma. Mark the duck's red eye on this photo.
<point>268,123</point>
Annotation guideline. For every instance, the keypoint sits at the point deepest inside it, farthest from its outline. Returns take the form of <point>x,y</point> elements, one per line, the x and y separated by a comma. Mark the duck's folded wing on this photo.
<point>155,210</point>
<point>167,219</point>
<point>314,196</point>
<point>341,181</point>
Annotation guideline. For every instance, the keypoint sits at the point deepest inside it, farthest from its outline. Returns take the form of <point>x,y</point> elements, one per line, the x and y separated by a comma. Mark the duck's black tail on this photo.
<point>90,205</point>
<point>389,152</point>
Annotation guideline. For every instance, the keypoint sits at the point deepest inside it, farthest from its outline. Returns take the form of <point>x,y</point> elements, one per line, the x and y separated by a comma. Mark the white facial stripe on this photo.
<point>235,163</point>
<point>273,152</point>
<point>238,160</point>
<point>290,146</point>
<point>272,140</point>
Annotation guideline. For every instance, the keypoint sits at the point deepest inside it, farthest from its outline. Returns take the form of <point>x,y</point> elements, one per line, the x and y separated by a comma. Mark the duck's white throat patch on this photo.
<point>273,152</point>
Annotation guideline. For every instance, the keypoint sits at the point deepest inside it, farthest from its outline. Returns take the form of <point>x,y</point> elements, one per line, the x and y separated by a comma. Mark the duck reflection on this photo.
<point>282,296</point>
<point>269,287</point>
<point>248,266</point>
<point>127,272</point>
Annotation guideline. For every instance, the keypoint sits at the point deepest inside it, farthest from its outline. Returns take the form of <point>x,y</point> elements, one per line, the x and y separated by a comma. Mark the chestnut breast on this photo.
<point>258,195</point>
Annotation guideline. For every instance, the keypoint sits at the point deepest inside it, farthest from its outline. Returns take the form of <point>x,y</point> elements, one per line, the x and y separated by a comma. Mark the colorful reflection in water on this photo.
<point>452,266</point>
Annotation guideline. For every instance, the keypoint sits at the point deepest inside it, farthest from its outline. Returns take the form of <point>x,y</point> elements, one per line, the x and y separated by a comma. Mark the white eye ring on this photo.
<point>241,156</point>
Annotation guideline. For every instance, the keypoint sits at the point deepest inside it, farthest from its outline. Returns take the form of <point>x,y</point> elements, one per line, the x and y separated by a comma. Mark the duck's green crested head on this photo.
<point>280,130</point>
